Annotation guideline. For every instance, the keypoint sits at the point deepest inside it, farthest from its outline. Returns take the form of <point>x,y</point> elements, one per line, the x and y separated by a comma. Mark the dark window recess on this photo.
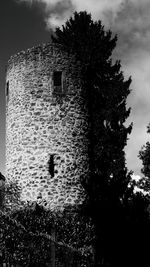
<point>51,165</point>
<point>57,78</point>
<point>57,81</point>
<point>7,88</point>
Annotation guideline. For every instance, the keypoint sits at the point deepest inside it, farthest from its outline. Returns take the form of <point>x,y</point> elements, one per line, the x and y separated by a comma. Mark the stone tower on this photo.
<point>46,126</point>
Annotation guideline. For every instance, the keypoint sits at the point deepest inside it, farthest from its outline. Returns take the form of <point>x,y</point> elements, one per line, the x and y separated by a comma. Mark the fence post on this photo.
<point>53,248</point>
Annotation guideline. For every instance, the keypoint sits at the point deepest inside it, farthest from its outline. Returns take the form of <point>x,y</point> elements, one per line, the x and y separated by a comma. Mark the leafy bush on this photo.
<point>25,236</point>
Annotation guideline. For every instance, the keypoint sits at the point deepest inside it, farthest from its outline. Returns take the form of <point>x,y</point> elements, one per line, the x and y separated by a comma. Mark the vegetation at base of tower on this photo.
<point>11,196</point>
<point>111,202</point>
<point>22,242</point>
<point>24,227</point>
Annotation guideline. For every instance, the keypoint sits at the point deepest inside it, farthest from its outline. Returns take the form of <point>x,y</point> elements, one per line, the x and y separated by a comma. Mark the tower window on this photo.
<point>51,165</point>
<point>58,81</point>
<point>58,78</point>
<point>7,89</point>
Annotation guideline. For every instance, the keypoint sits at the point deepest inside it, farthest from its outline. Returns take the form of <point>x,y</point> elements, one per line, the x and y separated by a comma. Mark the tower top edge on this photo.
<point>33,50</point>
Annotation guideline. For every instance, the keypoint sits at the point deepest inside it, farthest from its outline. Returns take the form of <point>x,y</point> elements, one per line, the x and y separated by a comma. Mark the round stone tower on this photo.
<point>46,126</point>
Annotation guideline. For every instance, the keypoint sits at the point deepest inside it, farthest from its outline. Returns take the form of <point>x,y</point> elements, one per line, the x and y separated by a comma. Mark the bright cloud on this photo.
<point>136,177</point>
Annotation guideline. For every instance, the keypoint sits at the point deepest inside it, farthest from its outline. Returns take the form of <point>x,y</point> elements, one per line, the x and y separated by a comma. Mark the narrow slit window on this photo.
<point>51,165</point>
<point>7,89</point>
<point>58,81</point>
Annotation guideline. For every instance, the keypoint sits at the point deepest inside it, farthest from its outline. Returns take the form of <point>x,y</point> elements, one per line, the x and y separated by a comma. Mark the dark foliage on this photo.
<point>23,237</point>
<point>12,199</point>
<point>144,155</point>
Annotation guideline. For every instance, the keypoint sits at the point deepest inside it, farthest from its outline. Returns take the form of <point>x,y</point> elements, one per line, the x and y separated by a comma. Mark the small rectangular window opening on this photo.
<point>58,81</point>
<point>57,78</point>
<point>51,165</point>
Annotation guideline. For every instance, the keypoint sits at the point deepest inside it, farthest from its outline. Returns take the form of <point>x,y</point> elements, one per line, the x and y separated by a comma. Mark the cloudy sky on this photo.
<point>25,23</point>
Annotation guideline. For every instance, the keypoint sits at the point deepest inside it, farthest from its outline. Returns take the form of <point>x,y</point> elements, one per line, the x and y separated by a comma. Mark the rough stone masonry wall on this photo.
<point>40,123</point>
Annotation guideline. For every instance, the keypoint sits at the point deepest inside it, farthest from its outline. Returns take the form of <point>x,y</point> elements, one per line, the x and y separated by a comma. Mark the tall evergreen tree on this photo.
<point>107,90</point>
<point>144,155</point>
